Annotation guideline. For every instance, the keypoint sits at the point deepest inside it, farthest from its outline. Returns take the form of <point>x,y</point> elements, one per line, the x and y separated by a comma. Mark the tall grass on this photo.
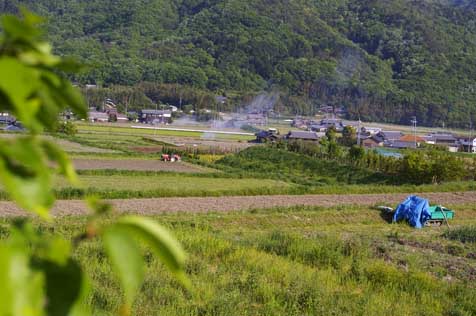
<point>465,234</point>
<point>295,261</point>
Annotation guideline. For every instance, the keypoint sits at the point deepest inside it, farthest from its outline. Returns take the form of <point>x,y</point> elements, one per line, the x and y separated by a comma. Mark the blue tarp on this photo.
<point>415,210</point>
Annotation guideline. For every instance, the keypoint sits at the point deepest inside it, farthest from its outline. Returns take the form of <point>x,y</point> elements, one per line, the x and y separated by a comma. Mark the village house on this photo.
<point>371,130</point>
<point>372,142</point>
<point>332,122</point>
<point>301,135</point>
<point>388,137</point>
<point>155,116</point>
<point>95,116</point>
<point>269,136</point>
<point>408,141</point>
<point>6,118</point>
<point>443,139</point>
<point>468,144</point>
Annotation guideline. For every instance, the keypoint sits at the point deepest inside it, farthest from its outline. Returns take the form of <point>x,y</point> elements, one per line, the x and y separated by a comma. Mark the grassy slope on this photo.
<point>299,261</point>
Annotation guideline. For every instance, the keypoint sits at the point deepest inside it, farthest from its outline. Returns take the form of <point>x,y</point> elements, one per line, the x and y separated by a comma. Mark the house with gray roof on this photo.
<point>301,135</point>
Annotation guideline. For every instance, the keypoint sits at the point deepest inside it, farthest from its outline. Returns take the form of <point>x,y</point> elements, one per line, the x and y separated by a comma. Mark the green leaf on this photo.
<point>56,155</point>
<point>18,83</point>
<point>124,253</point>
<point>127,260</point>
<point>165,246</point>
<point>18,29</point>
<point>24,173</point>
<point>21,289</point>
<point>98,206</point>
<point>63,285</point>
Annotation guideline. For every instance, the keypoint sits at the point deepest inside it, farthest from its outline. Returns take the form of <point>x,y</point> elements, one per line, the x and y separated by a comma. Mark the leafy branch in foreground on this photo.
<point>39,274</point>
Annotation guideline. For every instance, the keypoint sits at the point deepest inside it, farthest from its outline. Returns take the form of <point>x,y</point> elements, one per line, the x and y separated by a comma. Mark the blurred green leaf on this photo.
<point>18,83</point>
<point>99,207</point>
<point>56,155</point>
<point>21,288</point>
<point>17,29</point>
<point>63,285</point>
<point>163,244</point>
<point>127,260</point>
<point>24,173</point>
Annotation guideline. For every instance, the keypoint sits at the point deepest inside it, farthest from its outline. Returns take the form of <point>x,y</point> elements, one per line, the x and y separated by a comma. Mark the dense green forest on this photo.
<point>381,59</point>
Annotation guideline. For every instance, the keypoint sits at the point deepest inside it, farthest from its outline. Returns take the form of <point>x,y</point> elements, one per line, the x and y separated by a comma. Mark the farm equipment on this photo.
<point>439,214</point>
<point>171,158</point>
<point>418,213</point>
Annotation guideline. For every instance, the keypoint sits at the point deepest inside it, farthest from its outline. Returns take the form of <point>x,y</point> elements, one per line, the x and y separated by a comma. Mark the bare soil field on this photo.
<point>223,204</point>
<point>135,165</point>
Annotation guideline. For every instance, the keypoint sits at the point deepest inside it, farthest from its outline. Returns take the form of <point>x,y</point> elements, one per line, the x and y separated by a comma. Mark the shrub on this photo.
<point>67,128</point>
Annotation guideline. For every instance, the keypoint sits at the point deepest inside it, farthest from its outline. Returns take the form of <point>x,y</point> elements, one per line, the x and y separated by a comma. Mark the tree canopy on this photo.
<point>381,60</point>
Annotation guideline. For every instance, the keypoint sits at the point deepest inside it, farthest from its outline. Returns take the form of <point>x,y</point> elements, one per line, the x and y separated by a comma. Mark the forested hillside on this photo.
<point>382,59</point>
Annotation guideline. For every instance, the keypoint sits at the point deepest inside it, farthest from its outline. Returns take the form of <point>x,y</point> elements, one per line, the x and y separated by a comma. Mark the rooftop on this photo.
<point>303,135</point>
<point>411,138</point>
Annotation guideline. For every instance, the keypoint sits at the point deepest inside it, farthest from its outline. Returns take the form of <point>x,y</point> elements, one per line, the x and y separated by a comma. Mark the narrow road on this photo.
<point>230,203</point>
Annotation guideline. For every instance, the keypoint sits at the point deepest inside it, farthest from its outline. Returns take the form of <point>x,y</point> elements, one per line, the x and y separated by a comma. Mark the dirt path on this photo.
<point>193,204</point>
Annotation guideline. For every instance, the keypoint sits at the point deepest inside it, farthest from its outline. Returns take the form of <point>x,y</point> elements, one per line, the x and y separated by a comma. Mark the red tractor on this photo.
<point>171,158</point>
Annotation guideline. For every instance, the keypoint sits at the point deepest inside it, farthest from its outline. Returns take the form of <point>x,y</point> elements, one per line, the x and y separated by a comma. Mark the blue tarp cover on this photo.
<point>415,210</point>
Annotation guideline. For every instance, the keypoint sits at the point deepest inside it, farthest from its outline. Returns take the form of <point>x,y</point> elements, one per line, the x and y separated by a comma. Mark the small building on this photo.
<point>443,139</point>
<point>95,116</point>
<point>155,116</point>
<point>390,135</point>
<point>371,130</point>
<point>408,141</point>
<point>6,118</point>
<point>15,127</point>
<point>269,136</point>
<point>468,144</point>
<point>301,135</point>
<point>318,128</point>
<point>332,122</point>
<point>372,142</point>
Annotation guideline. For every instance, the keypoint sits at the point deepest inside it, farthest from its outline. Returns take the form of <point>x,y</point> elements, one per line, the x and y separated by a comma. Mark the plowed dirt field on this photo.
<point>206,204</point>
<point>135,165</point>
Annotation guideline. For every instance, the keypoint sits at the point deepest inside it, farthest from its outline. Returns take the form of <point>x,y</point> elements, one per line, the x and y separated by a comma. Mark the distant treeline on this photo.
<point>381,60</point>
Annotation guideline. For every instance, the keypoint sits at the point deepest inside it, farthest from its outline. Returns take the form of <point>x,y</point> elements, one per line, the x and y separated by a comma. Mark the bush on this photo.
<point>67,128</point>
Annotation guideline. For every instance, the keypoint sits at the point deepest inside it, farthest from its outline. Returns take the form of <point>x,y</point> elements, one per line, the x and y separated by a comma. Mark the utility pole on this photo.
<point>470,140</point>
<point>358,133</point>
<point>414,122</point>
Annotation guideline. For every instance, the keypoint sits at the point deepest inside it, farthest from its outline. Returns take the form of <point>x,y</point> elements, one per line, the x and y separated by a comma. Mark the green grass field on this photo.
<point>163,184</point>
<point>297,261</point>
<point>124,130</point>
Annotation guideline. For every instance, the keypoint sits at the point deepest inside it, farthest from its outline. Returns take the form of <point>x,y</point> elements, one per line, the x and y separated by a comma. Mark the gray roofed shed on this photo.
<point>302,135</point>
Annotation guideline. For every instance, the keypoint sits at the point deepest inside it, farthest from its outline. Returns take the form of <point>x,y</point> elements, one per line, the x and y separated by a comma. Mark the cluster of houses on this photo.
<point>146,116</point>
<point>370,137</point>
<point>108,113</point>
<point>396,139</point>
